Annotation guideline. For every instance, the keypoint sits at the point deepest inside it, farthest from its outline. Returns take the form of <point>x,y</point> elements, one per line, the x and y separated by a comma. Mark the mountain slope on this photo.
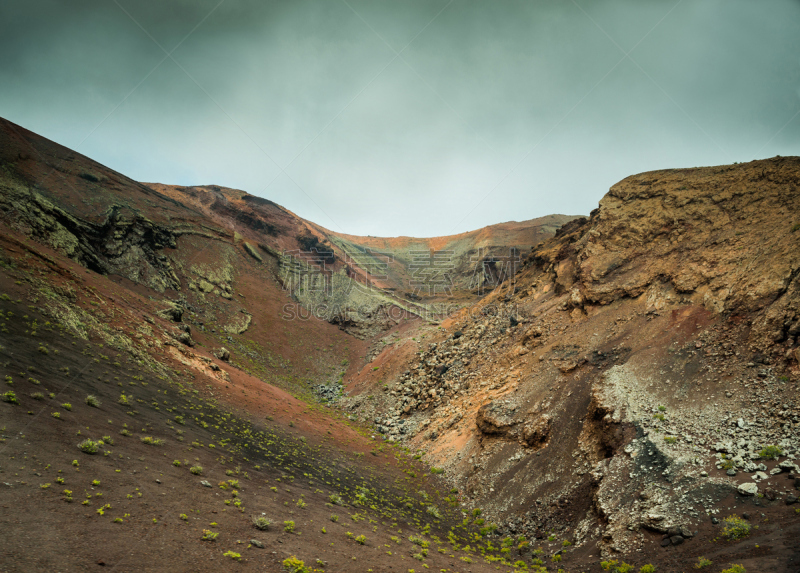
<point>626,383</point>
<point>164,332</point>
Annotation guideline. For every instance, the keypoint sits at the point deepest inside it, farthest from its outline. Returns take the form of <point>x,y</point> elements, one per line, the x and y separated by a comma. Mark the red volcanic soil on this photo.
<point>145,509</point>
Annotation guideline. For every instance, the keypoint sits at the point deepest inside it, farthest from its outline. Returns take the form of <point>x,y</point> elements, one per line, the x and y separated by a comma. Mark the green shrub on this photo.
<point>288,526</point>
<point>294,565</point>
<point>37,396</point>
<point>615,566</point>
<point>261,522</point>
<point>209,535</point>
<point>361,539</point>
<point>771,452</point>
<point>702,562</point>
<point>734,569</point>
<point>89,446</point>
<point>233,555</point>
<point>647,568</point>
<point>9,397</point>
<point>735,528</point>
<point>152,441</point>
<point>196,470</point>
<point>437,470</point>
<point>92,401</point>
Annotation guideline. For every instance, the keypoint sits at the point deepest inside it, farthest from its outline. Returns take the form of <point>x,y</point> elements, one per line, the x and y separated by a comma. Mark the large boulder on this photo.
<point>497,417</point>
<point>747,489</point>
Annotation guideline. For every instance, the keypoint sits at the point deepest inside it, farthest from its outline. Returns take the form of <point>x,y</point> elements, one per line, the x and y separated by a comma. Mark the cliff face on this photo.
<point>626,381</point>
<point>727,236</point>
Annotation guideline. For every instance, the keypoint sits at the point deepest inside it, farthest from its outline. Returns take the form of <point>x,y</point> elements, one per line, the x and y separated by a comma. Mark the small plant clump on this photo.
<point>616,567</point>
<point>9,397</point>
<point>735,528</point>
<point>771,452</point>
<point>196,470</point>
<point>361,539</point>
<point>209,535</point>
<point>734,569</point>
<point>233,555</point>
<point>89,446</point>
<point>294,565</point>
<point>150,440</point>
<point>92,401</point>
<point>261,522</point>
<point>288,526</point>
<point>702,562</point>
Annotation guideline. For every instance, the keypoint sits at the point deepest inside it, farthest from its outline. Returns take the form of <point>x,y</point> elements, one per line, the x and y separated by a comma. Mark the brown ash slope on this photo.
<point>637,356</point>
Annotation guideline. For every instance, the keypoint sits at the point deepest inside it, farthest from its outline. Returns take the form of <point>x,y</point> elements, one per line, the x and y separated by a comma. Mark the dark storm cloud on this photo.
<point>492,111</point>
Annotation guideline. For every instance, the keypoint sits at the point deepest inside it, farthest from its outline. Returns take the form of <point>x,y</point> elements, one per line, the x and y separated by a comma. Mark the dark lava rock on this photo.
<point>676,539</point>
<point>665,542</point>
<point>790,499</point>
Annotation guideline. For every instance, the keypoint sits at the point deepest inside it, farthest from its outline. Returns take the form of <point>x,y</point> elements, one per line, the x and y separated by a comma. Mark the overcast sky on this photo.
<point>403,117</point>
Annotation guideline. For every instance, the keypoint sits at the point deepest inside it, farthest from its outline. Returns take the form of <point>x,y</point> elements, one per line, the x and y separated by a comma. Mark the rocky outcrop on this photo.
<point>496,418</point>
<point>124,243</point>
<point>725,236</point>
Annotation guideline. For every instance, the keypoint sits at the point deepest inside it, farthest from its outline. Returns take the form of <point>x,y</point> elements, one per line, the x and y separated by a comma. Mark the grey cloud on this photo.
<point>496,111</point>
